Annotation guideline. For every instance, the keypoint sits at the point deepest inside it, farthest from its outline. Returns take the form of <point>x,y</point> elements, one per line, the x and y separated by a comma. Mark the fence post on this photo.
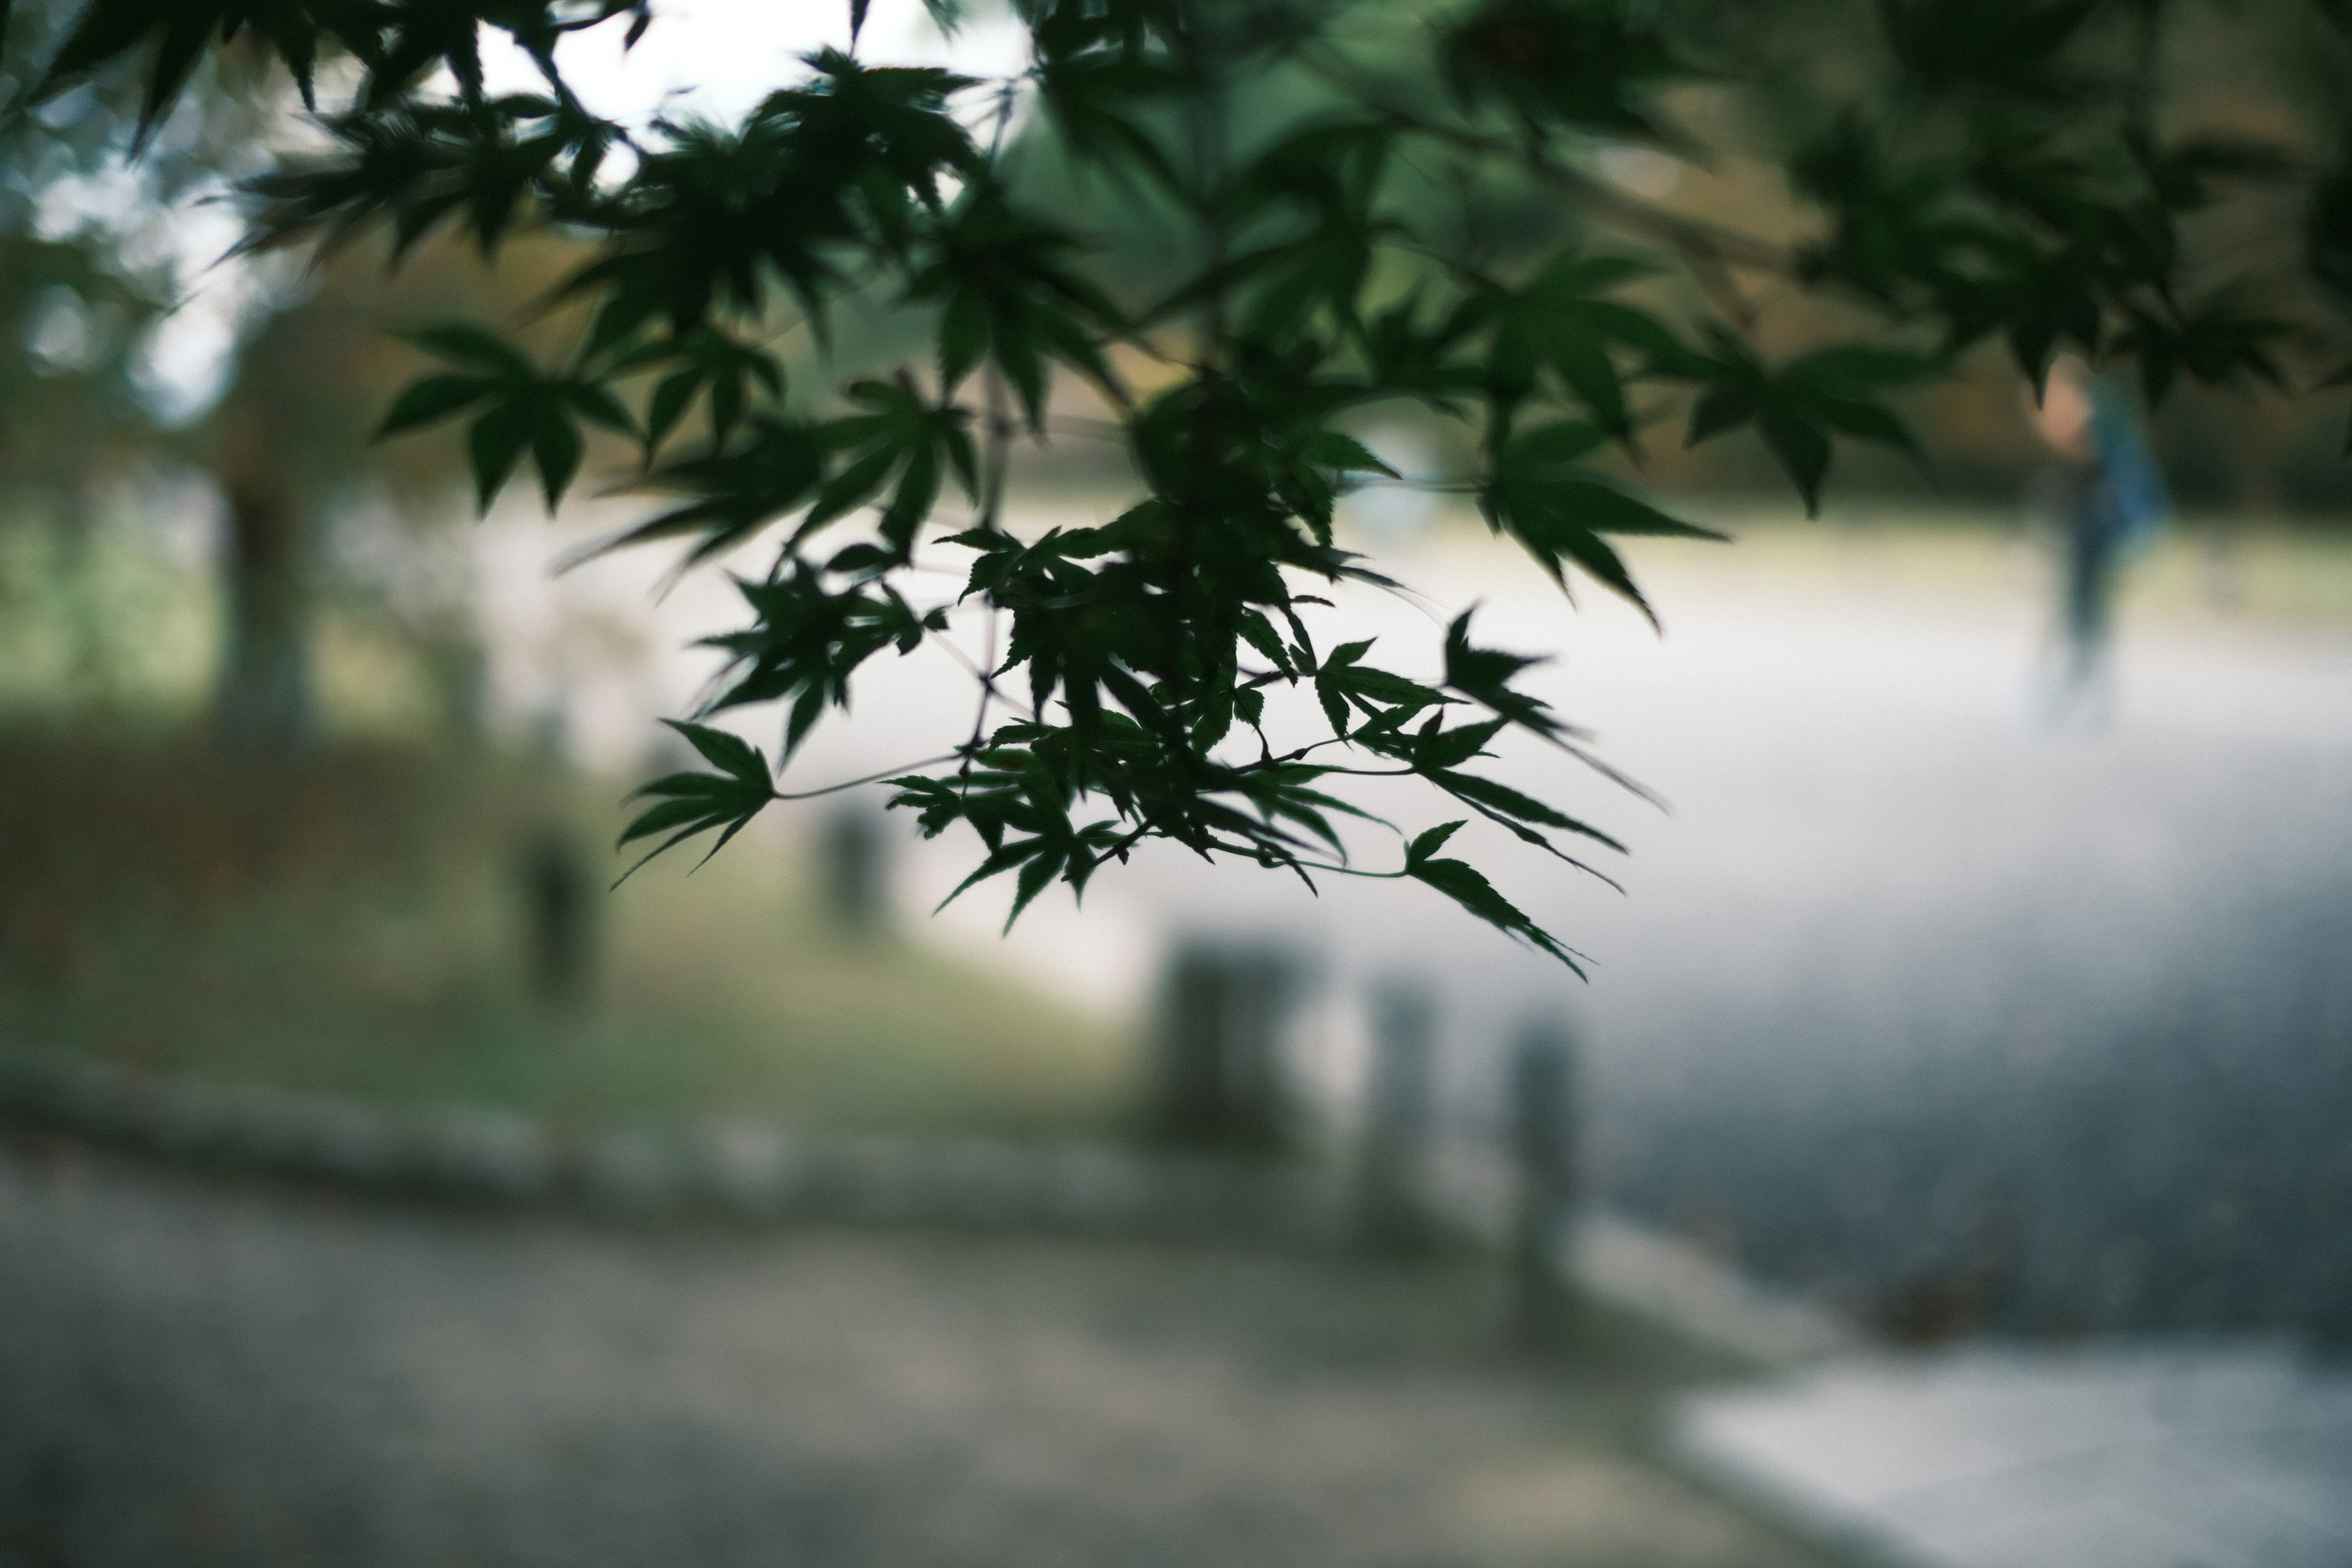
<point>559,893</point>
<point>1262,987</point>
<point>1543,1147</point>
<point>556,873</point>
<point>1223,1082</point>
<point>1190,1047</point>
<point>853,855</point>
<point>1392,1205</point>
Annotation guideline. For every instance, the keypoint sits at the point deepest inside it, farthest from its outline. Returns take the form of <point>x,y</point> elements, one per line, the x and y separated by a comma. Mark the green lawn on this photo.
<point>354,925</point>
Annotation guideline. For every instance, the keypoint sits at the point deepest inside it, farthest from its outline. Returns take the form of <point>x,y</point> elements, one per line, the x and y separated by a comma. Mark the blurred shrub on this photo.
<point>105,832</point>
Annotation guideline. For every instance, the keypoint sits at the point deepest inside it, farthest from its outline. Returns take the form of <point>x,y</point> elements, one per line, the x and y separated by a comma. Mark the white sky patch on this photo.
<point>79,203</point>
<point>184,367</point>
<point>183,363</point>
<point>721,57</point>
<point>61,337</point>
<point>715,58</point>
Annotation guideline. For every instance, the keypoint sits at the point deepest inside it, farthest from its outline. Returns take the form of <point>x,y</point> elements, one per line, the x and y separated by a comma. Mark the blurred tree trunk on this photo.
<point>264,700</point>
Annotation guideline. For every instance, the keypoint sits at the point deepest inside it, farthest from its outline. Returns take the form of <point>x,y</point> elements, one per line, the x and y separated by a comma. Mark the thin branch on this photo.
<point>998,457</point>
<point>990,689</point>
<point>870,778</point>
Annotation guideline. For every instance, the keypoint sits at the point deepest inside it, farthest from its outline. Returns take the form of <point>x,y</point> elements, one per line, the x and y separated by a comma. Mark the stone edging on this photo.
<point>757,1176</point>
<point>740,1174</point>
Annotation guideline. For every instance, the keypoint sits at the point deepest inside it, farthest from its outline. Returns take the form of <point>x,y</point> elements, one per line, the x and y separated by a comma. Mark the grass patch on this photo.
<point>355,924</point>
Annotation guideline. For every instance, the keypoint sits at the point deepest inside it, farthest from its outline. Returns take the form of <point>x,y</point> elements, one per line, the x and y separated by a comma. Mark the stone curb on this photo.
<point>746,1175</point>
<point>754,1175</point>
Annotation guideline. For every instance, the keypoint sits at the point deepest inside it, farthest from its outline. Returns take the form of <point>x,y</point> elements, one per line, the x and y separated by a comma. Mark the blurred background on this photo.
<point>1952,1005</point>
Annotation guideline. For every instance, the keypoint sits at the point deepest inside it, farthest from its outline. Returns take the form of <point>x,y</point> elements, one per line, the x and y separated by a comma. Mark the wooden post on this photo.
<point>557,873</point>
<point>1222,1081</point>
<point>1194,1005</point>
<point>558,900</point>
<point>1261,987</point>
<point>1392,1206</point>
<point>853,855</point>
<point>1543,1146</point>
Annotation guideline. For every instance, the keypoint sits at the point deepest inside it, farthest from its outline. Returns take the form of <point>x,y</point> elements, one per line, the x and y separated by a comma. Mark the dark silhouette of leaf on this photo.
<point>1252,230</point>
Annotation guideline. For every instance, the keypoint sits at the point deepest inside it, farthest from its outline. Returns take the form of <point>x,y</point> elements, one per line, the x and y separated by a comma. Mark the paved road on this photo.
<point>1910,1000</point>
<point>2224,1453</point>
<point>202,1374</point>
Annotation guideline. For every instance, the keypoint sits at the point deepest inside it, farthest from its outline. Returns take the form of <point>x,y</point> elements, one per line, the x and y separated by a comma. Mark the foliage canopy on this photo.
<point>2027,174</point>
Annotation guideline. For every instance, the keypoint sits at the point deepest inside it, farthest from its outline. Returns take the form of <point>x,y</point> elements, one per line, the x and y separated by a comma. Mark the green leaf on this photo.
<point>1485,676</point>
<point>1797,407</point>
<point>461,342</point>
<point>963,338</point>
<point>1511,803</point>
<point>1565,320</point>
<point>1463,883</point>
<point>2343,377</point>
<point>1430,842</point>
<point>670,401</point>
<point>431,398</point>
<point>1559,512</point>
<point>727,807</point>
<point>1034,878</point>
<point>1800,447</point>
<point>853,486</point>
<point>556,447</point>
<point>1434,749</point>
<point>2222,339</point>
<point>736,757</point>
<point>685,805</point>
<point>495,445</point>
<point>1335,450</point>
<point>1384,239</point>
<point>594,403</point>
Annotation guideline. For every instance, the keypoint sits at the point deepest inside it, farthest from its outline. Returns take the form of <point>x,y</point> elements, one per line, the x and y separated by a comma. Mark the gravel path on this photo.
<point>1959,1019</point>
<point>1915,1000</point>
<point>209,1373</point>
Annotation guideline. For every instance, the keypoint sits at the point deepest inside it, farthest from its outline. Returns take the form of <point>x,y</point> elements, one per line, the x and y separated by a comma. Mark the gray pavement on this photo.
<point>2122,1455</point>
<point>1959,1021</point>
<point>1911,1001</point>
<point>205,1374</point>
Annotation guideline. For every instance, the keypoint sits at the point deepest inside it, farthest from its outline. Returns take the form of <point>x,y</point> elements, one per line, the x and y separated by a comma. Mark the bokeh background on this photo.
<point>1957,1013</point>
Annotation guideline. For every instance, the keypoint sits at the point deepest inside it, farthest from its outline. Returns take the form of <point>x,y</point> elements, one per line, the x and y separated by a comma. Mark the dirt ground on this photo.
<point>193,1372</point>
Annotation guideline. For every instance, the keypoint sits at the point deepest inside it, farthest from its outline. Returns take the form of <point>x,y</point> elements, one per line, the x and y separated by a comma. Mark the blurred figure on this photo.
<point>2102,497</point>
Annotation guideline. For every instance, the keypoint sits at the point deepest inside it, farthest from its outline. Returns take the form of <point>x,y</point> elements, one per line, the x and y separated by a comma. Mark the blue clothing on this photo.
<point>2137,498</point>
<point>2111,507</point>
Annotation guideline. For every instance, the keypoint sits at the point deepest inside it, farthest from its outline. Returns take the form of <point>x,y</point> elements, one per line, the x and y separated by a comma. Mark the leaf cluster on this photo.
<point>2004,173</point>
